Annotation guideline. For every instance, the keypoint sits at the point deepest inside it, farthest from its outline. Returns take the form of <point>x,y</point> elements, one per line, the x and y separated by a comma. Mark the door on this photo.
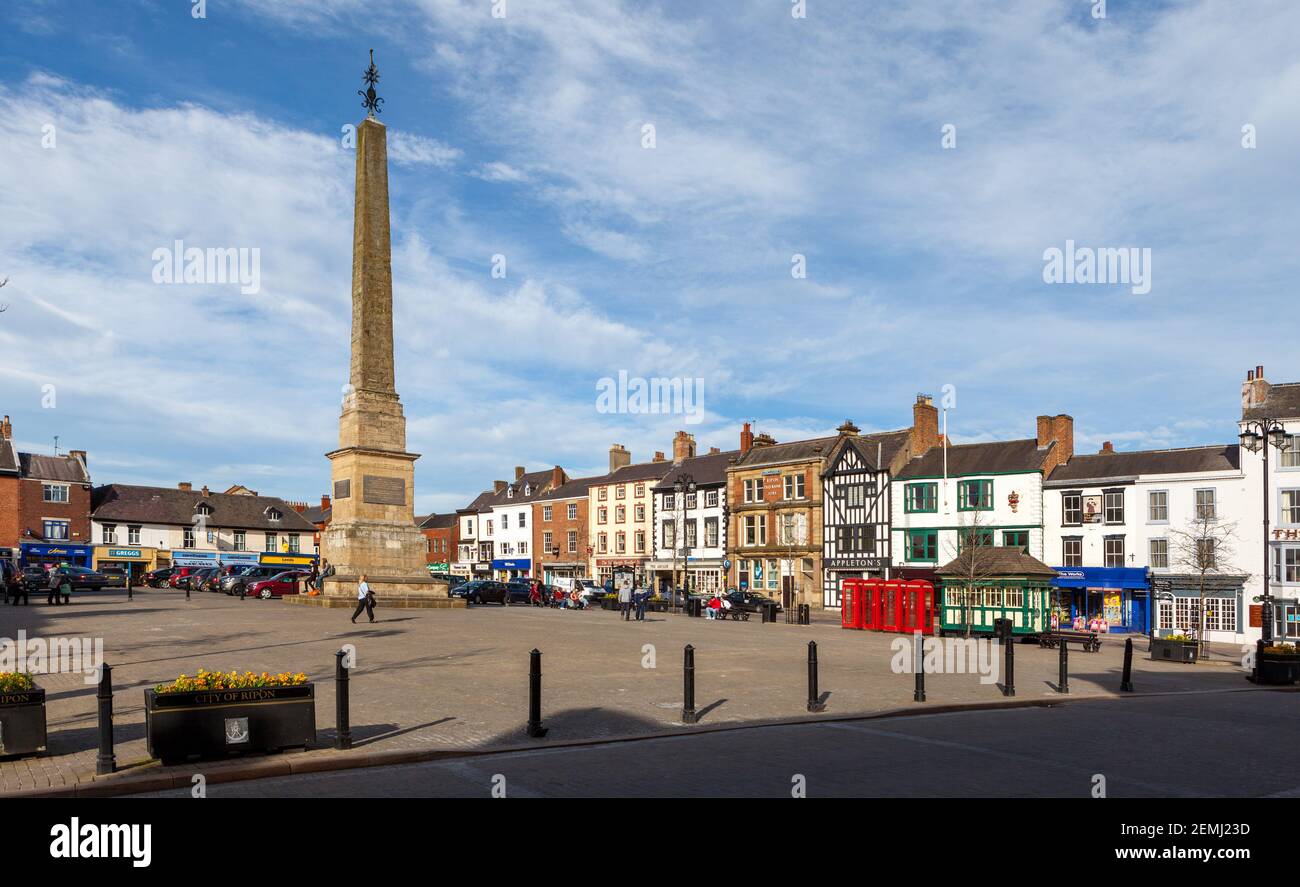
<point>787,592</point>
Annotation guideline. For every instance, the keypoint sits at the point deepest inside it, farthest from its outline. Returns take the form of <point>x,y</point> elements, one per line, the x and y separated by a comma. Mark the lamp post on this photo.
<point>1258,435</point>
<point>683,485</point>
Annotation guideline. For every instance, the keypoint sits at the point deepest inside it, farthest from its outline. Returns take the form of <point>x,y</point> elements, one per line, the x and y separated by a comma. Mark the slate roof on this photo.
<point>166,505</point>
<point>316,514</point>
<point>479,503</point>
<point>709,470</point>
<point>1001,457</point>
<point>640,471</point>
<point>885,444</point>
<point>67,469</point>
<point>436,521</point>
<point>1127,466</point>
<point>8,457</point>
<point>1283,402</point>
<point>999,560</point>
<point>795,451</point>
<point>535,481</point>
<point>576,488</point>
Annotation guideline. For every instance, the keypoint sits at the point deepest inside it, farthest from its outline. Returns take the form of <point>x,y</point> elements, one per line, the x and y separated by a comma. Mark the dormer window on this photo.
<point>528,489</point>
<point>510,492</point>
<point>273,514</point>
<point>203,508</point>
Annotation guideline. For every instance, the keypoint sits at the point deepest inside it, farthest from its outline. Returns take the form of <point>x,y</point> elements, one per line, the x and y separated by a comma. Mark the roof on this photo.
<point>576,488</point>
<point>513,493</point>
<point>168,505</point>
<point>8,457</point>
<point>1282,402</point>
<point>628,473</point>
<point>68,469</point>
<point>314,513</point>
<point>436,522</point>
<point>996,457</point>
<point>885,444</point>
<point>996,560</point>
<point>707,470</point>
<point>479,504</point>
<point>795,451</point>
<point>1126,466</point>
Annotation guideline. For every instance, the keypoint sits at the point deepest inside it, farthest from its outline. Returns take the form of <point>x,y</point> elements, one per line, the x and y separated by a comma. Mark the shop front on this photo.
<point>1105,599</point>
<point>506,568</point>
<point>188,558</point>
<point>51,555</point>
<point>837,569</point>
<point>288,561</point>
<point>1214,606</point>
<point>552,570</point>
<point>697,574</point>
<point>133,562</point>
<point>605,569</point>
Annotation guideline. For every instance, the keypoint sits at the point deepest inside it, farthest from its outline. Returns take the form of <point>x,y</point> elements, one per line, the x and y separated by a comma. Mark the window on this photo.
<point>980,537</point>
<point>523,548</point>
<point>692,540</point>
<point>855,540</point>
<point>573,541</point>
<point>690,501</point>
<point>133,534</point>
<point>922,545</point>
<point>794,486</point>
<point>602,514</point>
<point>753,489</point>
<point>469,527</point>
<point>1205,554</point>
<point>1114,506</point>
<point>546,513</point>
<point>1205,505</point>
<point>975,495</point>
<point>510,494</point>
<point>272,514</point>
<point>602,543</point>
<point>488,528</point>
<point>854,495</point>
<point>921,498</point>
<point>523,519</point>
<point>711,532</point>
<point>56,530</point>
<point>711,499</point>
<point>602,494</point>
<point>1291,455</point>
<point>620,492</point>
<point>1290,505</point>
<point>505,521</point>
<point>756,529</point>
<point>640,490</point>
<point>271,542</point>
<point>1072,551</point>
<point>1071,509</point>
<point>1158,506</point>
<point>54,492</point>
<point>620,514</point>
<point>670,501</point>
<point>293,543</point>
<point>546,542</point>
<point>620,542</point>
<point>1015,597</point>
<point>110,534</point>
<point>1286,564</point>
<point>669,534</point>
<point>640,513</point>
<point>187,537</point>
<point>1158,554</point>
<point>1016,539</point>
<point>573,511</point>
<point>640,541</point>
<point>1114,551</point>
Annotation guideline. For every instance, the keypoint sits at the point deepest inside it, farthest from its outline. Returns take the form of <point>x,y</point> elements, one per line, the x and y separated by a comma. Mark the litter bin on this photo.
<point>769,611</point>
<point>692,606</point>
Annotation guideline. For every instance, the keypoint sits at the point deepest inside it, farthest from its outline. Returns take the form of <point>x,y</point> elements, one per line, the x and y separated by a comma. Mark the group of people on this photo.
<point>716,607</point>
<point>538,596</point>
<point>58,584</point>
<point>632,601</point>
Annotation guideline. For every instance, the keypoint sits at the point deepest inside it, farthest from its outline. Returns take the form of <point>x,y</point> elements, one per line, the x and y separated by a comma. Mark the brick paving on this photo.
<point>456,680</point>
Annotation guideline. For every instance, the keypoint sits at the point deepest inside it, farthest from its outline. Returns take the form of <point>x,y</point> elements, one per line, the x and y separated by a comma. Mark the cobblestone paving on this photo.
<point>458,679</point>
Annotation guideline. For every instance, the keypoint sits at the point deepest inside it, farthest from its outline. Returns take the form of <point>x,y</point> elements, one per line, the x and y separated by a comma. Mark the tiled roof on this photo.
<point>640,471</point>
<point>998,457</point>
<point>795,451</point>
<point>1283,402</point>
<point>1001,560</point>
<point>8,457</point>
<point>167,505</point>
<point>67,469</point>
<point>576,488</point>
<point>436,521</point>
<point>707,470</point>
<point>1117,466</point>
<point>882,444</point>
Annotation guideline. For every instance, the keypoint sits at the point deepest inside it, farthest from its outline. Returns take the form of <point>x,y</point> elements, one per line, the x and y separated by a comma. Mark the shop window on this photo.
<point>975,495</point>
<point>921,498</point>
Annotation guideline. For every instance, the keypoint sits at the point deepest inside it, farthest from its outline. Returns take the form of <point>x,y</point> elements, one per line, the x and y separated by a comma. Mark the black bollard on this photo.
<point>688,687</point>
<point>106,762</point>
<point>342,722</point>
<point>1126,682</point>
<point>814,698</point>
<point>187,589</point>
<point>806,610</point>
<point>129,585</point>
<point>1063,670</point>
<point>918,694</point>
<point>1009,684</point>
<point>535,728</point>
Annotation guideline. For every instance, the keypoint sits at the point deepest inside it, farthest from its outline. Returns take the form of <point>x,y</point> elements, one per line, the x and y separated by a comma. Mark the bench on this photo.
<point>1088,640</point>
<point>735,614</point>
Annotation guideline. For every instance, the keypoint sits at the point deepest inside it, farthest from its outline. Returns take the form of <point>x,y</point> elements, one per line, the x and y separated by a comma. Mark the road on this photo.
<point>1188,745</point>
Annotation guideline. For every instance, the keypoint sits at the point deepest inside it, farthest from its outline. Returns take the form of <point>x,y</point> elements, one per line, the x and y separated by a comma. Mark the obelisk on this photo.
<point>372,528</point>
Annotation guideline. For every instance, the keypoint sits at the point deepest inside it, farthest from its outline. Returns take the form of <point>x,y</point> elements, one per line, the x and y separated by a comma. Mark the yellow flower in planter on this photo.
<point>15,682</point>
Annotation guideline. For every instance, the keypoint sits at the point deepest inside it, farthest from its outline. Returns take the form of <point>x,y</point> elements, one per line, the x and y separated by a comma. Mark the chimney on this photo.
<point>713,451</point>
<point>683,447</point>
<point>324,502</point>
<point>764,440</point>
<point>557,477</point>
<point>1254,391</point>
<point>205,491</point>
<point>746,439</point>
<point>79,455</point>
<point>618,457</point>
<point>519,472</point>
<point>659,456</point>
<point>1058,429</point>
<point>498,486</point>
<point>848,429</point>
<point>6,430</point>
<point>925,425</point>
<point>1107,447</point>
<point>185,486</point>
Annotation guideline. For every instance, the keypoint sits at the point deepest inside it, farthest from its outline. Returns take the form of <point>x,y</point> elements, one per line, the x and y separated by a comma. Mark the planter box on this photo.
<point>22,722</point>
<point>217,723</point>
<point>609,605</point>
<point>1173,651</point>
<point>1278,668</point>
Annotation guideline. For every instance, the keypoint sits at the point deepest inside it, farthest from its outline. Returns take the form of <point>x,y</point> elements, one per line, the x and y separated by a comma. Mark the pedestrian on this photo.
<point>534,595</point>
<point>313,576</point>
<point>326,572</point>
<point>365,600</point>
<point>17,588</point>
<point>625,600</point>
<point>52,584</point>
<point>641,597</point>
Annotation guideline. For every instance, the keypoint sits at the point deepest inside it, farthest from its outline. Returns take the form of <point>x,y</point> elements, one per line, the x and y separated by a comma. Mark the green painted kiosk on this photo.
<point>989,582</point>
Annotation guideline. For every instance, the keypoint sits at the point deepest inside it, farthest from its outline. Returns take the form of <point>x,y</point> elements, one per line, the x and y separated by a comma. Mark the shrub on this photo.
<point>215,680</point>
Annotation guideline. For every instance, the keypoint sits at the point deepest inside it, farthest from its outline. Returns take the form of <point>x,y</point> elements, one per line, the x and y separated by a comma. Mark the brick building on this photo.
<point>562,530</point>
<point>442,534</point>
<point>44,505</point>
<point>621,504</point>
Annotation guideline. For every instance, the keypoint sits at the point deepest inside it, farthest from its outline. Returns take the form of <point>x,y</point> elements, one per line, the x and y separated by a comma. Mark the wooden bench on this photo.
<point>1088,640</point>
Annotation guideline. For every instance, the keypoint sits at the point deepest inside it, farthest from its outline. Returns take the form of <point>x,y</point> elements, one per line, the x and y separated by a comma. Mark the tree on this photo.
<point>3,308</point>
<point>974,559</point>
<point>1205,548</point>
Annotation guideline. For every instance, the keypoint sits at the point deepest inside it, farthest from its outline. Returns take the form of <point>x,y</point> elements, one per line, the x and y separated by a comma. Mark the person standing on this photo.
<point>53,587</point>
<point>641,597</point>
<point>625,598</point>
<point>365,600</point>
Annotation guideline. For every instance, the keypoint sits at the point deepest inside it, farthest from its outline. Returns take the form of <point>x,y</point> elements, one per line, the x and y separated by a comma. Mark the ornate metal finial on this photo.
<point>371,77</point>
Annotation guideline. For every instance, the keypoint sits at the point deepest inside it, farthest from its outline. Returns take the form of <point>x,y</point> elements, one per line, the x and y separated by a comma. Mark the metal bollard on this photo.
<point>805,613</point>
<point>1126,682</point>
<point>918,694</point>
<point>535,728</point>
<point>187,590</point>
<point>129,585</point>
<point>688,687</point>
<point>1063,670</point>
<point>1009,685</point>
<point>814,697</point>
<point>342,723</point>
<point>106,762</point>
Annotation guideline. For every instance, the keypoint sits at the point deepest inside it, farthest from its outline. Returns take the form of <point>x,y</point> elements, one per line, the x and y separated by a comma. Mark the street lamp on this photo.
<point>683,485</point>
<point>1256,436</point>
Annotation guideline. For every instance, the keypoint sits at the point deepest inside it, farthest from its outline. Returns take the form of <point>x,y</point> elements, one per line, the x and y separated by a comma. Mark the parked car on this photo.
<point>243,576</point>
<point>207,579</point>
<point>116,577</point>
<point>34,578</point>
<point>181,577</point>
<point>83,578</point>
<point>157,578</point>
<point>482,591</point>
<point>518,591</point>
<point>288,582</point>
<point>748,602</point>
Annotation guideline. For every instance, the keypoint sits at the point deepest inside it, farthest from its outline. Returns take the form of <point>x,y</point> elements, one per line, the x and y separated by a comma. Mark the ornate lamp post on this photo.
<point>683,485</point>
<point>1257,435</point>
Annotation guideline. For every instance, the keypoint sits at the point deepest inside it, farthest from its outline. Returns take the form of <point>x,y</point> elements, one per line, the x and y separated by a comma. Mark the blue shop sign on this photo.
<point>125,552</point>
<point>33,549</point>
<point>524,563</point>
<point>1102,577</point>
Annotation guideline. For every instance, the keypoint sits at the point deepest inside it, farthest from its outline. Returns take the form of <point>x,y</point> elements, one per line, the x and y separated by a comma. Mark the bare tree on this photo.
<point>974,559</point>
<point>3,308</point>
<point>1204,548</point>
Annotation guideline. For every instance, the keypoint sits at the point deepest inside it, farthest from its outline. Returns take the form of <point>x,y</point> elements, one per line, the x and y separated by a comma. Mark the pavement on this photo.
<point>1175,746</point>
<point>439,683</point>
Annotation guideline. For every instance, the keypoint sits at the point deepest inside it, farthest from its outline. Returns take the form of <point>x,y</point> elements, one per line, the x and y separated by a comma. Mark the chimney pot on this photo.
<point>1107,447</point>
<point>498,486</point>
<point>659,456</point>
<point>746,439</point>
<point>1259,371</point>
<point>185,486</point>
<point>713,451</point>
<point>205,490</point>
<point>324,501</point>
<point>519,471</point>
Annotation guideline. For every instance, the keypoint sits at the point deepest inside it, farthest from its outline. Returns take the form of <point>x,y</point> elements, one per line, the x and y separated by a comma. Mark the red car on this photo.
<point>288,582</point>
<point>174,580</point>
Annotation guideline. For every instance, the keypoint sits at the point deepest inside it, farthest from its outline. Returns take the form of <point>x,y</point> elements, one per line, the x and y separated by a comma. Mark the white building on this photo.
<point>690,529</point>
<point>509,524</point>
<point>473,546</point>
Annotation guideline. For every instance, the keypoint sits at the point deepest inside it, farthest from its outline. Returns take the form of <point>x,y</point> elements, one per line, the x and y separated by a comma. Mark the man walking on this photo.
<point>625,596</point>
<point>365,601</point>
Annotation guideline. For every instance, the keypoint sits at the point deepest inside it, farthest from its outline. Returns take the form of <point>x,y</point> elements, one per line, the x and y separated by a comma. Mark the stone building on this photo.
<point>620,506</point>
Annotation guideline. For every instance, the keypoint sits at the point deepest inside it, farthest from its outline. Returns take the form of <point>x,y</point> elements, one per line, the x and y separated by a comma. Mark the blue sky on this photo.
<point>522,136</point>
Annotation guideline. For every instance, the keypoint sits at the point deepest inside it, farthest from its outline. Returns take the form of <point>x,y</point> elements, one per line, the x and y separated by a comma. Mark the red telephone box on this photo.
<point>851,595</point>
<point>918,607</point>
<point>891,605</point>
<point>871,616</point>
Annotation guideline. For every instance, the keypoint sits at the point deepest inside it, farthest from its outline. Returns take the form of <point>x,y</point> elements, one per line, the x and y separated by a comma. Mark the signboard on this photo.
<point>380,490</point>
<point>343,489</point>
<point>287,560</point>
<point>1256,615</point>
<point>1092,509</point>
<point>440,568</point>
<point>853,563</point>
